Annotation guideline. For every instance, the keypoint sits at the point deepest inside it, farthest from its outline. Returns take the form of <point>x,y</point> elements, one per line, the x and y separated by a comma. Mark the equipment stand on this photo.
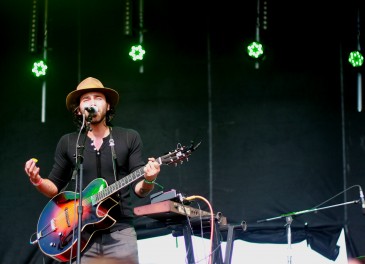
<point>289,220</point>
<point>188,244</point>
<point>229,246</point>
<point>231,236</point>
<point>216,251</point>
<point>79,165</point>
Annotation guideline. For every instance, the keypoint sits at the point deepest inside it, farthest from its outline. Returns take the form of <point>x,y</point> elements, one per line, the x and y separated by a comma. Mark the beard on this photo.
<point>98,119</point>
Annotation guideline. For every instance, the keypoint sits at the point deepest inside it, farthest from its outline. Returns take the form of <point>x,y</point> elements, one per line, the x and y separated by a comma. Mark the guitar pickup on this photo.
<point>67,217</point>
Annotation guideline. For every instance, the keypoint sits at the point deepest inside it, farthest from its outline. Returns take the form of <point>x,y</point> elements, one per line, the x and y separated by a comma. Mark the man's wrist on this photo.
<point>149,182</point>
<point>37,183</point>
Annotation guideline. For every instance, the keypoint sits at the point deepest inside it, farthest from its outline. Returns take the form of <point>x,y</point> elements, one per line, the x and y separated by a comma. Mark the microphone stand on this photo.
<point>289,220</point>
<point>79,165</point>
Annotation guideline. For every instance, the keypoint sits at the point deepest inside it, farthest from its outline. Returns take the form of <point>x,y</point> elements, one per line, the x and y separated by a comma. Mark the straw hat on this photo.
<point>91,84</point>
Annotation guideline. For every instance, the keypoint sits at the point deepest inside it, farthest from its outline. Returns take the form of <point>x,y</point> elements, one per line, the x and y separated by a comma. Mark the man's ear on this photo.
<point>108,107</point>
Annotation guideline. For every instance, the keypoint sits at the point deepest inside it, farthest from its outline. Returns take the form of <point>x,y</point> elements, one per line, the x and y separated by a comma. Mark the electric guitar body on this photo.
<point>58,222</point>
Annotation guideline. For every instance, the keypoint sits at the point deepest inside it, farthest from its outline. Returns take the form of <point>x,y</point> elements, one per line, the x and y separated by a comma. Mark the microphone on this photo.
<point>91,109</point>
<point>362,200</point>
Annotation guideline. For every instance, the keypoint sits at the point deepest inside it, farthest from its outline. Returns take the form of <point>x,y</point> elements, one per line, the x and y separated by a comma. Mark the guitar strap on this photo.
<point>114,155</point>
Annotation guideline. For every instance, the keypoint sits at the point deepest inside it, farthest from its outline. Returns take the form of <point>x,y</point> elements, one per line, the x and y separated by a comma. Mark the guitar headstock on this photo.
<point>180,154</point>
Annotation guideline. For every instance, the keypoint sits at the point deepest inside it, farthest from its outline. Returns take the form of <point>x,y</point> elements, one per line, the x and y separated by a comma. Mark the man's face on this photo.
<point>95,99</point>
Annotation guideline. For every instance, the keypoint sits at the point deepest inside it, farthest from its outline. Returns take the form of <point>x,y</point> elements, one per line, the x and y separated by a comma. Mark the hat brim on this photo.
<point>73,98</point>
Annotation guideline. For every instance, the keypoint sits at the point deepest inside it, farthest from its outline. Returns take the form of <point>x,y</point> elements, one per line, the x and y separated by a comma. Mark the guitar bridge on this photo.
<point>50,226</point>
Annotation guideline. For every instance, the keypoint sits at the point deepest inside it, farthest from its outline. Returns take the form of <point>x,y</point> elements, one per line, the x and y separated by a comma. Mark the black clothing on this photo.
<point>99,164</point>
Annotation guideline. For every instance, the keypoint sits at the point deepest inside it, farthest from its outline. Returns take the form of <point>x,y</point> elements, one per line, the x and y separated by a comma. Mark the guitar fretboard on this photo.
<point>170,158</point>
<point>96,198</point>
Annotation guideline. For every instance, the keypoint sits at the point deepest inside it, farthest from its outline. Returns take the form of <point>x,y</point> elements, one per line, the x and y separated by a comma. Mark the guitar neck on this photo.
<point>177,155</point>
<point>113,188</point>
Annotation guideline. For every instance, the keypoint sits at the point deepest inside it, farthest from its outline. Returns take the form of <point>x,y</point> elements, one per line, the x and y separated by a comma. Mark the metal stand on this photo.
<point>216,245</point>
<point>289,220</point>
<point>216,250</point>
<point>79,165</point>
<point>188,244</point>
<point>229,246</point>
<point>231,236</point>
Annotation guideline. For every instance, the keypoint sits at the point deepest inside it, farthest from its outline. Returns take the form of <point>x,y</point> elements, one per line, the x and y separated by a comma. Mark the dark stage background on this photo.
<point>282,138</point>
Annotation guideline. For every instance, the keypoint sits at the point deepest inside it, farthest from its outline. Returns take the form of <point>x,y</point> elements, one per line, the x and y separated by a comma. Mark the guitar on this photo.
<point>58,222</point>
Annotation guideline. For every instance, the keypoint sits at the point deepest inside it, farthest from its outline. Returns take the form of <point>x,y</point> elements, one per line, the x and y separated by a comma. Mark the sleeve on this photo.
<point>135,150</point>
<point>61,171</point>
<point>135,144</point>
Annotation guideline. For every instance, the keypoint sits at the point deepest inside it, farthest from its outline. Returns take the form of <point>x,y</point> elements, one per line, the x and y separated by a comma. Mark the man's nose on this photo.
<point>92,102</point>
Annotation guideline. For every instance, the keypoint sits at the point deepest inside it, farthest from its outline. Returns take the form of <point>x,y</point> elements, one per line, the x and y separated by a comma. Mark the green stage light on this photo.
<point>356,59</point>
<point>137,52</point>
<point>39,68</point>
<point>255,50</point>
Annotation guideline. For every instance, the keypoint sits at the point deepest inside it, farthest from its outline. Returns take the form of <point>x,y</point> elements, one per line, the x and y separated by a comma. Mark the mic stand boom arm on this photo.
<point>307,211</point>
<point>289,220</point>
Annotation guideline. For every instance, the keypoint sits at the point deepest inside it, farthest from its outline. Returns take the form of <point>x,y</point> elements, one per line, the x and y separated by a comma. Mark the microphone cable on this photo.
<point>333,197</point>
